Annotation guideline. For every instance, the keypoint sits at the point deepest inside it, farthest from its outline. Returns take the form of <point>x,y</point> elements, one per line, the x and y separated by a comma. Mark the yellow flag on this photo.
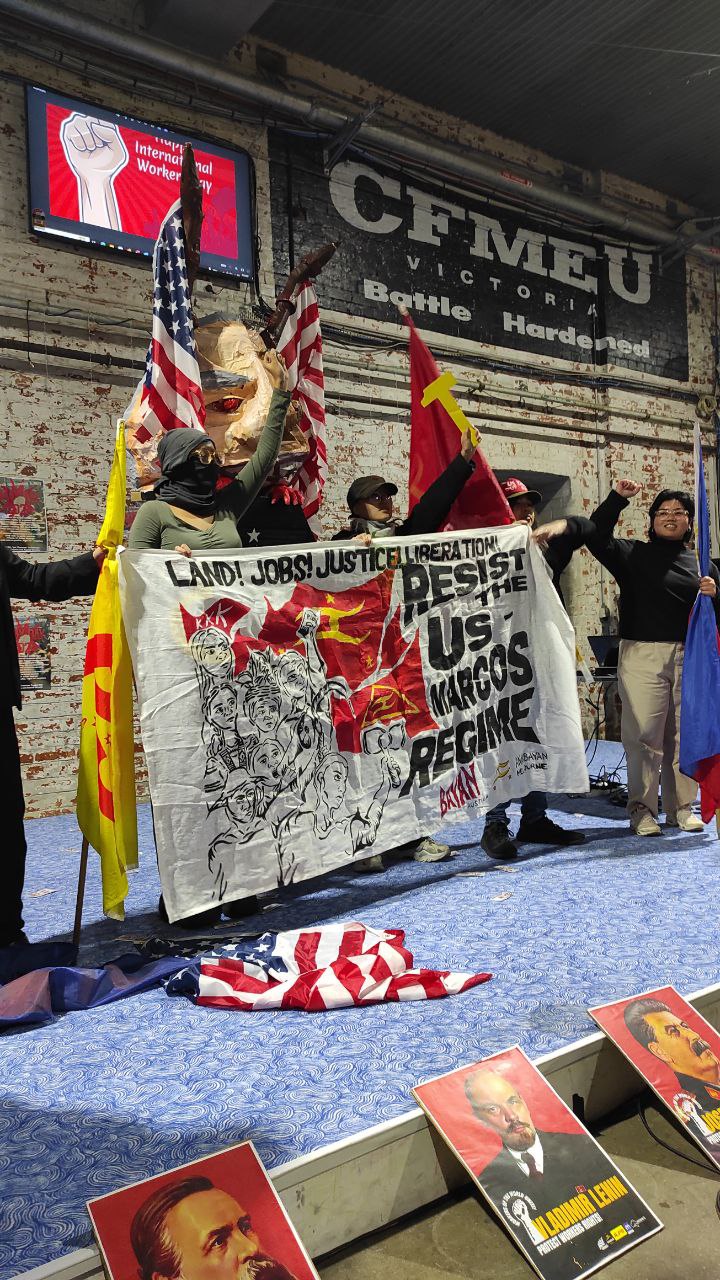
<point>106,805</point>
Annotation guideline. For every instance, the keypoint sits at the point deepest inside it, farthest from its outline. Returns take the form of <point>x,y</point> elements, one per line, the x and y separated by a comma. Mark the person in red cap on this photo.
<point>526,500</point>
<point>535,826</point>
<point>558,540</point>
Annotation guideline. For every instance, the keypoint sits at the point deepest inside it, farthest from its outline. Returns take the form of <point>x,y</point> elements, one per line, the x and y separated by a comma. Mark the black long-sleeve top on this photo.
<point>559,551</point>
<point>21,580</point>
<point>432,510</point>
<point>273,524</point>
<point>658,580</point>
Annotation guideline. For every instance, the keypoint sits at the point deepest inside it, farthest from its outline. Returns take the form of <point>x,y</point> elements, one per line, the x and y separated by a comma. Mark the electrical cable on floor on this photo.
<point>669,1147</point>
<point>595,735</point>
<point>614,775</point>
<point>610,782</point>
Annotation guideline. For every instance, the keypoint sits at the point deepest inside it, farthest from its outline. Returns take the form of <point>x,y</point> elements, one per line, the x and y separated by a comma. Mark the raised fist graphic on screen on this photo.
<point>96,153</point>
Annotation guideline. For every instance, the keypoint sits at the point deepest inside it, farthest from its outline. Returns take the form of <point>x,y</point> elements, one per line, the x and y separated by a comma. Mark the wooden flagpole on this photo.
<point>80,892</point>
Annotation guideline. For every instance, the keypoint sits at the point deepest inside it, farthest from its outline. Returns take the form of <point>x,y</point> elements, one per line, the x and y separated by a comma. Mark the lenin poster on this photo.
<point>676,1052</point>
<point>302,710</point>
<point>566,1205</point>
<point>219,1218</point>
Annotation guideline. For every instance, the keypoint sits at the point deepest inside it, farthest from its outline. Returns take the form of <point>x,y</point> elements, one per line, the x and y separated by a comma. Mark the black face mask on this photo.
<point>186,482</point>
<point>203,473</point>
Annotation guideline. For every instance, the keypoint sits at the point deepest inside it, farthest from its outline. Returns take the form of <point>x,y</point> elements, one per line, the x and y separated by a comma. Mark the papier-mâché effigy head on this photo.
<point>237,391</point>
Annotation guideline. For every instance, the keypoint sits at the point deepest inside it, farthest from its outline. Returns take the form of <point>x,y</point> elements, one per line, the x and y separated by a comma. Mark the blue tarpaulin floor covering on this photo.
<point>104,1097</point>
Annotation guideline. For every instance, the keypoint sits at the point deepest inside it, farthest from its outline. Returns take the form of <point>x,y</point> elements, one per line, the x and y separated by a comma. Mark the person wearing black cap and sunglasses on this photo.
<point>370,499</point>
<point>535,826</point>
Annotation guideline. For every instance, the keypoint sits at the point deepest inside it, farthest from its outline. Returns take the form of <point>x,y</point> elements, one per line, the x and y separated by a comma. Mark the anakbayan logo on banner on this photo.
<point>106,806</point>
<point>298,710</point>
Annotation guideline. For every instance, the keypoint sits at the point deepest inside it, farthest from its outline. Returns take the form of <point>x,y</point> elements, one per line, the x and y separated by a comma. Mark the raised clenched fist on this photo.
<point>309,623</point>
<point>627,488</point>
<point>275,366</point>
<point>96,153</point>
<point>469,444</point>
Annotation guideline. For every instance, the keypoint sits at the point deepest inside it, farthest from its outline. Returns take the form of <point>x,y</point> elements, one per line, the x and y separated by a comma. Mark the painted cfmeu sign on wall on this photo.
<point>478,270</point>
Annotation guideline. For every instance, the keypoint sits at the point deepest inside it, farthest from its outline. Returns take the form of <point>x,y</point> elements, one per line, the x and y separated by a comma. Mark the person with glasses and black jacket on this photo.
<point>659,580</point>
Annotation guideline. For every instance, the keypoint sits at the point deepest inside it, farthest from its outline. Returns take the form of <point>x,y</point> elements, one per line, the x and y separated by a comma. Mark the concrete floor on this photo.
<point>460,1238</point>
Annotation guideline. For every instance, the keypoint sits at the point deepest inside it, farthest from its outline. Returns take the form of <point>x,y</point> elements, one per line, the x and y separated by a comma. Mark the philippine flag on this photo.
<point>700,711</point>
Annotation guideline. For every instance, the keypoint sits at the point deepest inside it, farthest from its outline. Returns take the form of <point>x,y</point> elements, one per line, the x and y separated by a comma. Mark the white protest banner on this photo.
<point>302,708</point>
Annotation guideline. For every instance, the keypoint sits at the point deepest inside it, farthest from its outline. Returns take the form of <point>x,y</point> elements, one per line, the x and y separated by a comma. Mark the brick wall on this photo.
<point>73,332</point>
<point>73,337</point>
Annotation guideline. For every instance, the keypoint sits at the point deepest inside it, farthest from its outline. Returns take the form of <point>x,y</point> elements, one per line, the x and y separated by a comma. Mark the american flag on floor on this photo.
<point>333,967</point>
<point>170,393</point>
<point>300,345</point>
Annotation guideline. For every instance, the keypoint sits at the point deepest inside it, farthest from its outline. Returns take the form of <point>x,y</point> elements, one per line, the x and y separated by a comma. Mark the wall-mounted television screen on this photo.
<point>108,180</point>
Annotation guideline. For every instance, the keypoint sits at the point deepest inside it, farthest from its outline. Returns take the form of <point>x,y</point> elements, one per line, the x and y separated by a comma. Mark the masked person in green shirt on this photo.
<point>187,511</point>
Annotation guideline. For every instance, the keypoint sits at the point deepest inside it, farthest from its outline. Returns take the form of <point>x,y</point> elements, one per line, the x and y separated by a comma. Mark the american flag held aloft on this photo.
<point>171,393</point>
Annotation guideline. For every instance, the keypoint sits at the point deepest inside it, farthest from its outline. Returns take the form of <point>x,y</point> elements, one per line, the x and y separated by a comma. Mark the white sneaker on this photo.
<point>431,851</point>
<point>645,825</point>
<point>686,820</point>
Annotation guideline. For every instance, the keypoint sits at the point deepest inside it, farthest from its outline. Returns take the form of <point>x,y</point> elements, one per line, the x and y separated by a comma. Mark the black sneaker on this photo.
<point>497,843</point>
<point>203,919</point>
<point>544,831</point>
<point>19,939</point>
<point>240,907</point>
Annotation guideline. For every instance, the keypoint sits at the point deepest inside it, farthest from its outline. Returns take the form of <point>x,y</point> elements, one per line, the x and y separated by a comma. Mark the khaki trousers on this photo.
<point>649,678</point>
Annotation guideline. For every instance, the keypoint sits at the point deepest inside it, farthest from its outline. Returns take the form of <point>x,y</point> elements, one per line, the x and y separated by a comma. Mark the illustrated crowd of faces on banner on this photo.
<point>339,700</point>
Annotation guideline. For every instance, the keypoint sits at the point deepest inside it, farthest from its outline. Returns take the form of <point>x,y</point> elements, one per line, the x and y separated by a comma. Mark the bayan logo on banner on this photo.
<point>300,710</point>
